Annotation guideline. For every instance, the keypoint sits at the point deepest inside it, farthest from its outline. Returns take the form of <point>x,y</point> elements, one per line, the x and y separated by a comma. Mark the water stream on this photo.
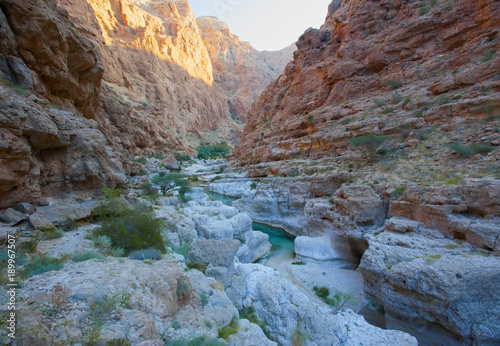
<point>335,275</point>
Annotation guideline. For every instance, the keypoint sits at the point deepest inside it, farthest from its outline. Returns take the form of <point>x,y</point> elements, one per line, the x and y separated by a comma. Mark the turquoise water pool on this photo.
<point>282,243</point>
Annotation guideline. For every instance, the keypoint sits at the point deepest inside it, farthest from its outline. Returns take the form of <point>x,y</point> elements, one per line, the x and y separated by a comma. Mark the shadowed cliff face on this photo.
<point>158,90</point>
<point>367,51</point>
<point>45,150</point>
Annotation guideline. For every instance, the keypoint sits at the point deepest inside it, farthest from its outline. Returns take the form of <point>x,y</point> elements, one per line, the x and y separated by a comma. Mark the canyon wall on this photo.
<point>241,70</point>
<point>88,84</point>
<point>397,105</point>
<point>376,68</point>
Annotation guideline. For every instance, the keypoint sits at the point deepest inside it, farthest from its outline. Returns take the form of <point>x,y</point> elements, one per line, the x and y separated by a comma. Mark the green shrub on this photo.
<point>250,315</point>
<point>147,254</point>
<point>471,149</point>
<point>337,301</point>
<point>52,234</point>
<point>42,264</point>
<point>119,342</point>
<point>293,172</point>
<point>310,119</point>
<point>137,229</point>
<point>204,298</point>
<point>199,341</point>
<point>388,109</point>
<point>379,102</point>
<point>443,99</point>
<point>394,84</point>
<point>69,224</point>
<point>253,185</point>
<point>423,10</point>
<point>217,177</point>
<point>141,160</point>
<point>85,256</point>
<point>171,180</point>
<point>322,291</point>
<point>181,158</point>
<point>398,192</point>
<point>232,328</point>
<point>489,55</point>
<point>299,263</point>
<point>396,98</point>
<point>215,150</point>
<point>183,287</point>
<point>368,145</point>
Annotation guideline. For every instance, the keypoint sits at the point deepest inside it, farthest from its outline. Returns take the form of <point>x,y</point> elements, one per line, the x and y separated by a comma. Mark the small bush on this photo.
<point>141,160</point>
<point>201,340</point>
<point>322,291</point>
<point>232,328</point>
<point>368,145</point>
<point>489,55</point>
<point>137,229</point>
<point>398,192</point>
<point>250,315</point>
<point>148,254</point>
<point>119,342</point>
<point>52,234</point>
<point>299,263</point>
<point>396,98</point>
<point>204,298</point>
<point>423,10</point>
<point>69,224</point>
<point>310,119</point>
<point>443,99</point>
<point>253,185</point>
<point>379,102</point>
<point>337,301</point>
<point>470,150</point>
<point>85,256</point>
<point>42,264</point>
<point>394,84</point>
<point>215,150</point>
<point>388,110</point>
<point>293,172</point>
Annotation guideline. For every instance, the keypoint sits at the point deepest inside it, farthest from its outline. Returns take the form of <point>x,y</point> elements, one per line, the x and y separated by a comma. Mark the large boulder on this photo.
<point>171,163</point>
<point>421,275</point>
<point>287,311</point>
<point>319,248</point>
<point>12,217</point>
<point>214,253</point>
<point>362,204</point>
<point>256,246</point>
<point>39,222</point>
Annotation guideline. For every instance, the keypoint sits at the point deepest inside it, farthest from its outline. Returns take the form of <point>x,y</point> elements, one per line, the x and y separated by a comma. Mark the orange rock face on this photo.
<point>158,91</point>
<point>88,84</point>
<point>241,71</point>
<point>378,68</point>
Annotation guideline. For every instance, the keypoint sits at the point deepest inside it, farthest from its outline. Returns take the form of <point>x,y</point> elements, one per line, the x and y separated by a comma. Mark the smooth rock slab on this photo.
<point>12,217</point>
<point>319,248</point>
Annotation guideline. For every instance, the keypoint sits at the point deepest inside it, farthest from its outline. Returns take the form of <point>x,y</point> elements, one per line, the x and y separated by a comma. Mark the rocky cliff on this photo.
<point>88,84</point>
<point>381,140</point>
<point>49,143</point>
<point>241,70</point>
<point>382,68</point>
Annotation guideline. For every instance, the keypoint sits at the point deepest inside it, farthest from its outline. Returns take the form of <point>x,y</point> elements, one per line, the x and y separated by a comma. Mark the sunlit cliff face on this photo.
<point>167,29</point>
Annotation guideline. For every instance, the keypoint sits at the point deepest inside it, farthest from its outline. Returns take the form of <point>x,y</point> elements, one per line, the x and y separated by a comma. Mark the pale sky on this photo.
<point>266,24</point>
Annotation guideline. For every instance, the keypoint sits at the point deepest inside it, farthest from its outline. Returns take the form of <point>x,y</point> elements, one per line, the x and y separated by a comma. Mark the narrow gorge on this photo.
<point>165,183</point>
